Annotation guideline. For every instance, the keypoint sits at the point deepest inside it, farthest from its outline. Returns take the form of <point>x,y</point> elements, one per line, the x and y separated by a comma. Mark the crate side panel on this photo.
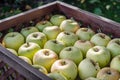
<point>97,22</point>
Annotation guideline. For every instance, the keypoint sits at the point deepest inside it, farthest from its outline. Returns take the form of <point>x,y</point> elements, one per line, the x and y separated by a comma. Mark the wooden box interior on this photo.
<point>95,22</point>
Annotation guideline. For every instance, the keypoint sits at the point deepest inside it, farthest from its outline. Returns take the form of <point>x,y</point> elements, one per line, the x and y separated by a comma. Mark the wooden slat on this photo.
<point>21,66</point>
<point>108,26</point>
<point>27,16</point>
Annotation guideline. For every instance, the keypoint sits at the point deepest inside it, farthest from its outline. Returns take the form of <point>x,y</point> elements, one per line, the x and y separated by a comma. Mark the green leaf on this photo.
<point>94,1</point>
<point>98,11</point>
<point>11,30</point>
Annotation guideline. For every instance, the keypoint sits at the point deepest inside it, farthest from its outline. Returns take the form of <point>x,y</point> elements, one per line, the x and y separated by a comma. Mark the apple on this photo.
<point>28,49</point>
<point>12,51</point>
<point>65,66</point>
<point>41,69</point>
<point>100,39</point>
<point>99,54</point>
<point>85,33</point>
<point>42,24</point>
<point>54,45</point>
<point>115,63</point>
<point>114,47</point>
<point>26,59</point>
<point>69,25</point>
<point>108,73</point>
<point>45,57</point>
<point>27,30</point>
<point>13,40</point>
<point>51,32</point>
<point>57,19</point>
<point>37,37</point>
<point>92,78</point>
<point>56,76</point>
<point>67,37</point>
<point>88,68</point>
<point>84,46</point>
<point>72,53</point>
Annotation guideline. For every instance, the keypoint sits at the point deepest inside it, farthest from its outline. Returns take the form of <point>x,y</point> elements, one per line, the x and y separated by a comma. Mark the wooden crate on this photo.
<point>21,68</point>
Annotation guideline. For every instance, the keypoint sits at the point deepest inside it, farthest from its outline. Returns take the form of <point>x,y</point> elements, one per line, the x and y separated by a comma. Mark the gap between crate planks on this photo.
<point>96,22</point>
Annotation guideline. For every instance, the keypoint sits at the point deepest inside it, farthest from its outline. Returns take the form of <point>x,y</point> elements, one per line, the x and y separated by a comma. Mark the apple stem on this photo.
<point>83,41</point>
<point>69,49</point>
<point>84,29</point>
<point>109,72</point>
<point>63,63</point>
<point>35,35</point>
<point>66,33</point>
<point>27,44</point>
<point>54,41</point>
<point>93,62</point>
<point>102,36</point>
<point>96,49</point>
<point>46,53</point>
<point>12,35</point>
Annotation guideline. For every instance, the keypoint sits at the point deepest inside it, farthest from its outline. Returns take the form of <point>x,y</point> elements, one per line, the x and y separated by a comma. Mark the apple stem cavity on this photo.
<point>12,35</point>
<point>118,42</point>
<point>85,29</point>
<point>66,33</point>
<point>63,63</point>
<point>55,41</point>
<point>35,35</point>
<point>96,49</point>
<point>69,49</point>
<point>109,72</point>
<point>46,53</point>
<point>102,36</point>
<point>27,28</point>
<point>83,41</point>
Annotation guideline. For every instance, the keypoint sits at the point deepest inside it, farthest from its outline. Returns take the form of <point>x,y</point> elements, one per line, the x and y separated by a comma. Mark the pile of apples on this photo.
<point>63,50</point>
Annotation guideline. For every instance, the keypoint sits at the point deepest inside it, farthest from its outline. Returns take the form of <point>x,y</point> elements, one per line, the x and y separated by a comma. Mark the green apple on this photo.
<point>67,37</point>
<point>85,33</point>
<point>26,59</point>
<point>28,49</point>
<point>57,19</point>
<point>84,46</point>
<point>108,73</point>
<point>65,66</point>
<point>115,63</point>
<point>51,32</point>
<point>92,78</point>
<point>41,69</point>
<point>56,76</point>
<point>27,30</point>
<point>69,25</point>
<point>99,54</point>
<point>42,24</point>
<point>45,57</point>
<point>13,40</point>
<point>88,68</point>
<point>100,39</point>
<point>54,45</point>
<point>13,51</point>
<point>72,53</point>
<point>114,47</point>
<point>37,37</point>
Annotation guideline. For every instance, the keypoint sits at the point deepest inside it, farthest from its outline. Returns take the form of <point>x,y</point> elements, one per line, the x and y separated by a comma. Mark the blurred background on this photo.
<point>107,8</point>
